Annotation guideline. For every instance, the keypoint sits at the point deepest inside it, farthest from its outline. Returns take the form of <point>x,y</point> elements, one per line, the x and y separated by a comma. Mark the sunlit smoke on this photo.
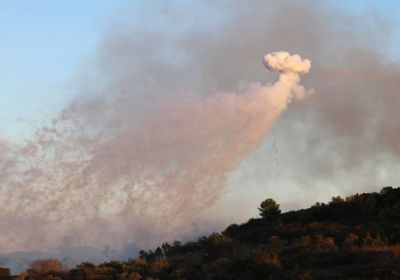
<point>283,62</point>
<point>144,181</point>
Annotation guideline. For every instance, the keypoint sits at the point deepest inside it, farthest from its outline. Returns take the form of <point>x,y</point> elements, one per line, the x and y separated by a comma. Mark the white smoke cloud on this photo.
<point>283,62</point>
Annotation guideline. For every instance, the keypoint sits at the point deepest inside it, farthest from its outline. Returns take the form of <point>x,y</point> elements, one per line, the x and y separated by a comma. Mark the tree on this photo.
<point>159,254</point>
<point>4,272</point>
<point>336,199</point>
<point>48,265</point>
<point>351,240</point>
<point>269,209</point>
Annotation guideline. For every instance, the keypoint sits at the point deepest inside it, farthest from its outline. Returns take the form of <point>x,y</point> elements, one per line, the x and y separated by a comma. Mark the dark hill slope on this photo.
<point>353,238</point>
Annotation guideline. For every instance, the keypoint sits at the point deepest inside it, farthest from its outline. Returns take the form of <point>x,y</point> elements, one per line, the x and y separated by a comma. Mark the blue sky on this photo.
<point>45,44</point>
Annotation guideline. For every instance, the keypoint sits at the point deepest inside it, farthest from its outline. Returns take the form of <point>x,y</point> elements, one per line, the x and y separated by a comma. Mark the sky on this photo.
<point>148,117</point>
<point>45,45</point>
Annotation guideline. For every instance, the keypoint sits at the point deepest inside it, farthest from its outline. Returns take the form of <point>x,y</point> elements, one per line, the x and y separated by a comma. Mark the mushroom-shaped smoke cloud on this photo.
<point>289,67</point>
<point>283,62</point>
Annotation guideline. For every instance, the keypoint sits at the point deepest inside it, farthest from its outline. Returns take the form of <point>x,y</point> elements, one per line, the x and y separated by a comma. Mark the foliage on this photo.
<point>353,238</point>
<point>269,209</point>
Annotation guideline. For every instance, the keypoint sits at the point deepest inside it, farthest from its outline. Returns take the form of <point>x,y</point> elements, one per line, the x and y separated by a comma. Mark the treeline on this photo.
<point>356,237</point>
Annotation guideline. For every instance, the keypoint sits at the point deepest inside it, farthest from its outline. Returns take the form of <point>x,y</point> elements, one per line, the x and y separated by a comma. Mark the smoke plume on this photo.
<point>147,179</point>
<point>169,119</point>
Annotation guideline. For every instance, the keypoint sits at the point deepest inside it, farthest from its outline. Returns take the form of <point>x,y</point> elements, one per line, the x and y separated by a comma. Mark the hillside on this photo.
<point>353,238</point>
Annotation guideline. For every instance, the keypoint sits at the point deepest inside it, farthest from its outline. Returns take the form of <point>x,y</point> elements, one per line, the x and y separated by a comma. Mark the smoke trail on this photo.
<point>137,182</point>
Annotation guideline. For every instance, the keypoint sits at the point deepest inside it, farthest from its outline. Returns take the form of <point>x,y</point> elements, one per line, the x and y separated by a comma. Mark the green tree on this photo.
<point>269,209</point>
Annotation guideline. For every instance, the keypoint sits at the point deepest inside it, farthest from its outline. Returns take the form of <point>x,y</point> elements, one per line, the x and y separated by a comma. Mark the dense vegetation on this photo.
<point>353,238</point>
